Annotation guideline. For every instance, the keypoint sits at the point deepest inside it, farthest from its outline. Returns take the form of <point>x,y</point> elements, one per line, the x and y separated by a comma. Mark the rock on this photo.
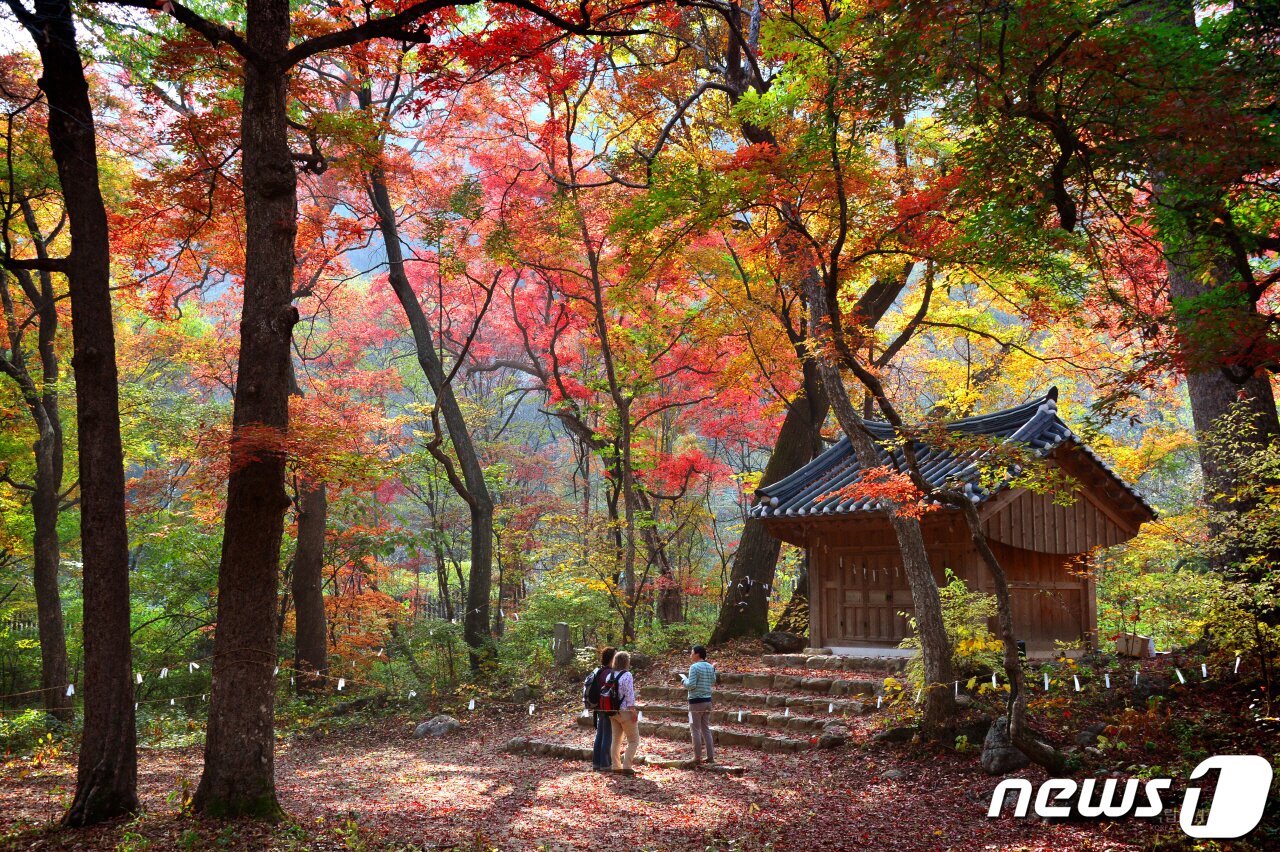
<point>515,745</point>
<point>757,681</point>
<point>816,684</point>
<point>999,755</point>
<point>833,738</point>
<point>437,726</point>
<point>896,775</point>
<point>824,663</point>
<point>1086,738</point>
<point>793,661</point>
<point>964,701</point>
<point>775,700</point>
<point>895,735</point>
<point>784,642</point>
<point>785,682</point>
<point>522,694</point>
<point>640,662</point>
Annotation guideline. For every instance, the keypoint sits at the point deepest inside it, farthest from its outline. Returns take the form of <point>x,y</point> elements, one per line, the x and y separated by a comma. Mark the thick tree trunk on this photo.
<point>239,770</point>
<point>795,615</point>
<point>745,611</point>
<point>311,650</point>
<point>1214,393</point>
<point>106,778</point>
<point>472,487</point>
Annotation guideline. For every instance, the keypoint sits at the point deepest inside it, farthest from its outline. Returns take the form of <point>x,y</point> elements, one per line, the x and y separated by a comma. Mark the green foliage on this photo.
<point>29,730</point>
<point>966,614</point>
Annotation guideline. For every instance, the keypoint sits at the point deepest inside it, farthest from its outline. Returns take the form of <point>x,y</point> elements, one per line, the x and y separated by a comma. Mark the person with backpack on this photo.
<point>600,753</point>
<point>619,694</point>
<point>699,681</point>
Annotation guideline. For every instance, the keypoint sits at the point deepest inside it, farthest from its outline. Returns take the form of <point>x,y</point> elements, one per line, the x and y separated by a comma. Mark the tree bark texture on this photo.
<point>745,611</point>
<point>239,768</point>
<point>472,487</point>
<point>106,778</point>
<point>311,650</point>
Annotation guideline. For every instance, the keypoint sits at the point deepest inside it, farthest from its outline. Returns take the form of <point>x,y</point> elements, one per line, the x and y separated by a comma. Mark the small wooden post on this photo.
<point>561,647</point>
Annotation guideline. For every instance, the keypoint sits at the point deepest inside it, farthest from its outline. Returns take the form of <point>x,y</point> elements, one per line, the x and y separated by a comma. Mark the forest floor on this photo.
<point>364,782</point>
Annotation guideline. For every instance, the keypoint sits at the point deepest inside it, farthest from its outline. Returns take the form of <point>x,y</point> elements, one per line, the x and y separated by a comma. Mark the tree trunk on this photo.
<point>472,486</point>
<point>795,615</point>
<point>1039,751</point>
<point>311,651</point>
<point>42,403</point>
<point>935,647</point>
<point>47,552</point>
<point>745,611</point>
<point>239,770</point>
<point>106,778</point>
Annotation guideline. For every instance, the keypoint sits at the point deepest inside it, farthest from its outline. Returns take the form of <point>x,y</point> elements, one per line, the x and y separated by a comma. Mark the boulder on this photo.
<point>437,726</point>
<point>640,661</point>
<point>784,642</point>
<point>757,681</point>
<point>786,682</point>
<point>896,775</point>
<point>999,755</point>
<point>775,700</point>
<point>516,745</point>
<point>816,684</point>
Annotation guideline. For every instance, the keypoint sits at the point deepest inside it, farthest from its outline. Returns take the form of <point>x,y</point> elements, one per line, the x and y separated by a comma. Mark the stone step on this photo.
<point>832,662</point>
<point>523,745</point>
<point>732,700</point>
<point>815,683</point>
<point>779,721</point>
<point>674,731</point>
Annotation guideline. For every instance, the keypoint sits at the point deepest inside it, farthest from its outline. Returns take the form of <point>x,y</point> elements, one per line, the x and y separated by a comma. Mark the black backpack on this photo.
<point>591,688</point>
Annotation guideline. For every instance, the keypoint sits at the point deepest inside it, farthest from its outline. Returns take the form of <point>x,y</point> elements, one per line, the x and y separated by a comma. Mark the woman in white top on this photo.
<point>626,720</point>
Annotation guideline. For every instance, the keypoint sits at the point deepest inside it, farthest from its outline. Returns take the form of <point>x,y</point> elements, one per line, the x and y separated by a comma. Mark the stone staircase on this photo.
<point>787,703</point>
<point>774,712</point>
<point>822,659</point>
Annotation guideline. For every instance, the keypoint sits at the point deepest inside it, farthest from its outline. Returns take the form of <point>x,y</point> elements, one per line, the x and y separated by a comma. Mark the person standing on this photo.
<point>602,749</point>
<point>699,682</point>
<point>626,720</point>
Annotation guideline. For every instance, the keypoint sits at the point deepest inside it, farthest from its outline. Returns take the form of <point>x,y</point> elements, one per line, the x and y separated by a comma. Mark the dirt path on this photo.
<point>462,791</point>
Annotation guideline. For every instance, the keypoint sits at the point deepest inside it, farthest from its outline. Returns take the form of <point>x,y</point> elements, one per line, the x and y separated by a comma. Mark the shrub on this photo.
<point>965,615</point>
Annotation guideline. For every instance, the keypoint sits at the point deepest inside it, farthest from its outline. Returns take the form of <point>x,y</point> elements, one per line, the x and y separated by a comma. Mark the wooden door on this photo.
<point>864,593</point>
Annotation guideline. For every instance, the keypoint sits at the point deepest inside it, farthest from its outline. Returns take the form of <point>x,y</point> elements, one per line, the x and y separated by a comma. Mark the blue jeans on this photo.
<point>600,758</point>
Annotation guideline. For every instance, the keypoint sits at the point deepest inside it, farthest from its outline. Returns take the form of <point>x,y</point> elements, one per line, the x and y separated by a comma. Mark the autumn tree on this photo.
<point>29,299</point>
<point>106,781</point>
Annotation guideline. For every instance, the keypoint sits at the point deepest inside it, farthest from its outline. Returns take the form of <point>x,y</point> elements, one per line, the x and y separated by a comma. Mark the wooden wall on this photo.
<point>856,571</point>
<point>1035,522</point>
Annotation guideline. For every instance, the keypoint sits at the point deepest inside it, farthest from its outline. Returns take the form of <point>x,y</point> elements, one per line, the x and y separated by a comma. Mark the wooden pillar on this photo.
<point>818,567</point>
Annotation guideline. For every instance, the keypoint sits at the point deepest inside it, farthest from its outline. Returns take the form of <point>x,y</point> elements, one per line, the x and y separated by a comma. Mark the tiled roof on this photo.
<point>813,489</point>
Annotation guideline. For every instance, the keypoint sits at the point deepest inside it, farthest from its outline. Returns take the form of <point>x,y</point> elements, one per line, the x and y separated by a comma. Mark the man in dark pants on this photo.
<point>600,759</point>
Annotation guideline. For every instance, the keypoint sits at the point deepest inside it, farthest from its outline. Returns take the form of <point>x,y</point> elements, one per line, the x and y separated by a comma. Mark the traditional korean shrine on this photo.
<point>858,589</point>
